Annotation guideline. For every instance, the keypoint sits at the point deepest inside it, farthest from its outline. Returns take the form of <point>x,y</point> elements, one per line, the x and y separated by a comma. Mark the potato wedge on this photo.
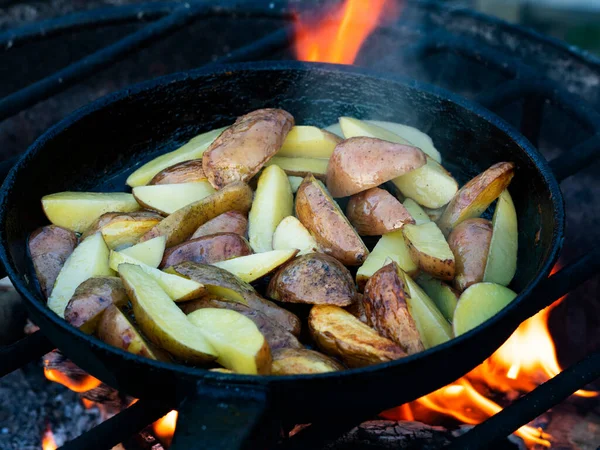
<point>161,320</point>
<point>252,267</point>
<point>89,259</point>
<point>77,211</point>
<point>301,167</point>
<point>49,247</point>
<point>207,249</point>
<point>352,127</point>
<point>431,185</point>
<point>375,212</point>
<point>178,288</point>
<point>391,245</point>
<point>244,148</point>
<point>123,229</point>
<point>180,225</point>
<point>308,142</point>
<point>357,309</point>
<point>443,295</point>
<point>290,234</point>
<point>413,135</point>
<point>322,216</point>
<point>479,303</point>
<point>429,250</point>
<point>340,334</point>
<point>360,163</point>
<point>222,283</point>
<point>316,279</point>
<point>273,200</point>
<point>470,243</point>
<point>193,149</point>
<point>475,196</point>
<point>416,212</point>
<point>295,183</point>
<point>116,329</point>
<point>293,361</point>
<point>276,336</point>
<point>149,252</point>
<point>165,199</point>
<point>501,263</point>
<point>183,172</point>
<point>90,300</point>
<point>229,222</point>
<point>387,311</point>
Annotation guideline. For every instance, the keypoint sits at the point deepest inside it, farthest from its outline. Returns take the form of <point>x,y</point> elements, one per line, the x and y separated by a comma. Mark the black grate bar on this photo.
<point>571,162</point>
<point>28,349</point>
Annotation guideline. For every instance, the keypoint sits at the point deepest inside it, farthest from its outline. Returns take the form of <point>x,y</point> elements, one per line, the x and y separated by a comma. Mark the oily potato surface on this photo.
<point>228,222</point>
<point>289,361</point>
<point>183,172</point>
<point>429,250</point>
<point>207,249</point>
<point>123,229</point>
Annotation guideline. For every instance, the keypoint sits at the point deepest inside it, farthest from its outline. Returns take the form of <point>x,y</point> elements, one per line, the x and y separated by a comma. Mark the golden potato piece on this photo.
<point>123,229</point>
<point>444,296</point>
<point>49,247</point>
<point>295,183</point>
<point>360,163</point>
<point>322,216</point>
<point>228,222</point>
<point>470,243</point>
<point>183,172</point>
<point>416,212</point>
<point>352,127</point>
<point>243,149</point>
<point>357,309</point>
<point>149,252</point>
<point>475,196</point>
<point>316,279</point>
<point>429,250</point>
<point>90,300</point>
<point>165,199</point>
<point>290,234</point>
<point>180,225</point>
<point>308,142</point>
<point>252,267</point>
<point>291,361</point>
<point>387,311</point>
<point>375,212</point>
<point>207,249</point>
<point>301,167</point>
<point>340,334</point>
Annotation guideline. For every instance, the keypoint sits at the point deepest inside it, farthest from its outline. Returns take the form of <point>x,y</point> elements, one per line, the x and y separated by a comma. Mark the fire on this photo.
<point>48,442</point>
<point>84,384</point>
<point>164,428</point>
<point>339,36</point>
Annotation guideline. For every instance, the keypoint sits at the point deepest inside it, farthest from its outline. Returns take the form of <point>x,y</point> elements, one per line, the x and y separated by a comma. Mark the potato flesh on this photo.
<point>167,198</point>
<point>119,234</point>
<point>291,234</point>
<point>429,250</point>
<point>295,182</point>
<point>300,167</point>
<point>148,252</point>
<point>416,211</point>
<point>444,297</point>
<point>501,263</point>
<point>302,361</point>
<point>77,211</point>
<point>252,267</point>
<point>273,200</point>
<point>413,135</point>
<point>352,127</point>
<point>308,142</point>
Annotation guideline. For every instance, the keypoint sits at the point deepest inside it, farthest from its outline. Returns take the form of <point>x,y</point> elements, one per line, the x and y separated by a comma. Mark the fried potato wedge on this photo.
<point>417,213</point>
<point>501,263</point>
<point>444,296</point>
<point>308,142</point>
<point>375,212</point>
<point>244,148</point>
<point>123,229</point>
<point>301,167</point>
<point>273,200</point>
<point>357,309</point>
<point>208,249</point>
<point>90,300</point>
<point>316,279</point>
<point>228,222</point>
<point>178,288</point>
<point>360,163</point>
<point>338,333</point>
<point>183,172</point>
<point>180,225</point>
<point>252,267</point>
<point>352,127</point>
<point>193,149</point>
<point>479,303</point>
<point>290,234</point>
<point>475,196</point>
<point>324,219</point>
<point>387,311</point>
<point>470,243</point>
<point>89,259</point>
<point>77,211</point>
<point>429,250</point>
<point>295,182</point>
<point>162,321</point>
<point>222,283</point>
<point>239,344</point>
<point>293,361</point>
<point>149,252</point>
<point>413,135</point>
<point>49,247</point>
<point>165,199</point>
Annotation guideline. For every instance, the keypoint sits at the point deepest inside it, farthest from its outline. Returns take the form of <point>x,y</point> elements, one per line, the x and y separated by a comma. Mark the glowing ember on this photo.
<point>48,442</point>
<point>84,384</point>
<point>164,428</point>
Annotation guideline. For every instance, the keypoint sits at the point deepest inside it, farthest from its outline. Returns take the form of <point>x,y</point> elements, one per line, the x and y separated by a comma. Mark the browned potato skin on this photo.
<point>207,249</point>
<point>475,196</point>
<point>375,212</point>
<point>290,361</point>
<point>243,149</point>
<point>211,275</point>
<point>50,246</point>
<point>357,309</point>
<point>340,334</point>
<point>276,336</point>
<point>229,222</point>
<point>110,217</point>
<point>387,311</point>
<point>183,172</point>
<point>360,163</point>
<point>442,269</point>
<point>470,243</point>
<point>321,218</point>
<point>90,300</point>
<point>316,279</point>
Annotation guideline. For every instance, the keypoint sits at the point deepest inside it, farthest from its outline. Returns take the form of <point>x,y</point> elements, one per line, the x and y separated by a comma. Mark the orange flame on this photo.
<point>339,36</point>
<point>164,428</point>
<point>48,442</point>
<point>84,384</point>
